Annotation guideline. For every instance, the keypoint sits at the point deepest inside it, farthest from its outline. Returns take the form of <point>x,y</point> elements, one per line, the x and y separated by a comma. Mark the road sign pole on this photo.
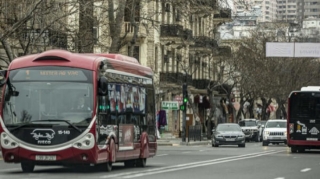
<point>184,112</point>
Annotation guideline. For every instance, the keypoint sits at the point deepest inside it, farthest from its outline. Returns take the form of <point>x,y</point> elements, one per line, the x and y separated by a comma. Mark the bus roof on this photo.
<point>78,60</point>
<point>311,88</point>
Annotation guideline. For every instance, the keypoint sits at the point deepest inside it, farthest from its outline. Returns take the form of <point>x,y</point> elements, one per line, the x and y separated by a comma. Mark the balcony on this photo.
<point>204,44</point>
<point>201,83</point>
<point>222,15</point>
<point>224,51</point>
<point>198,6</point>
<point>175,34</point>
<point>174,78</point>
<point>128,30</point>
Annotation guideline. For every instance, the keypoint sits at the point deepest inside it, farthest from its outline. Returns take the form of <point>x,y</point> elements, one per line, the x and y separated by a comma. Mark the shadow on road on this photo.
<point>80,169</point>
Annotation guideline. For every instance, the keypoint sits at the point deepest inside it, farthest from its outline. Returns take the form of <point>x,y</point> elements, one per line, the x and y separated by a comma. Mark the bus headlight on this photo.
<point>7,142</point>
<point>87,142</point>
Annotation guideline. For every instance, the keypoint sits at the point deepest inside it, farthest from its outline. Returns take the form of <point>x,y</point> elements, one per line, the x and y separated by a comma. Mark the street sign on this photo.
<point>178,98</point>
<point>170,105</point>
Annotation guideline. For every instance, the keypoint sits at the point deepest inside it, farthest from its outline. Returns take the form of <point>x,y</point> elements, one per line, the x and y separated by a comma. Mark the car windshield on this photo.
<point>228,128</point>
<point>274,124</point>
<point>247,123</point>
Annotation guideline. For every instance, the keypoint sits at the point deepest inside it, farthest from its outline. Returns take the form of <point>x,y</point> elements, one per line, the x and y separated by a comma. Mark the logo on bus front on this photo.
<point>43,136</point>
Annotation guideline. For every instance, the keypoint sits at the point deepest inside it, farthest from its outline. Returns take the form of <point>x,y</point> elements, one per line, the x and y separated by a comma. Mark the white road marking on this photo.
<point>280,178</point>
<point>306,169</point>
<point>185,152</point>
<point>187,165</point>
<point>201,150</point>
<point>161,155</point>
<point>194,166</point>
<point>9,169</point>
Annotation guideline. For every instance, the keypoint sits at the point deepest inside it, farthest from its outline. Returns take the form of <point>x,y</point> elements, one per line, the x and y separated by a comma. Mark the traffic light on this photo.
<point>182,107</point>
<point>185,93</point>
<point>185,98</point>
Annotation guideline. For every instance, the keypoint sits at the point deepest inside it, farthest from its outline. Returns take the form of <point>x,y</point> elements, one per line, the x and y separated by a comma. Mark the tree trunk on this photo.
<point>211,113</point>
<point>86,23</point>
<point>115,24</point>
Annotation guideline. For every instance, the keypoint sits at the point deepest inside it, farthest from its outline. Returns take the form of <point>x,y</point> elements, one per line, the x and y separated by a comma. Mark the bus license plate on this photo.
<point>46,157</point>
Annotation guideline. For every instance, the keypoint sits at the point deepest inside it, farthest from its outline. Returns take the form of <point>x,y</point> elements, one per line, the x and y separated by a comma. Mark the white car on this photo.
<point>275,132</point>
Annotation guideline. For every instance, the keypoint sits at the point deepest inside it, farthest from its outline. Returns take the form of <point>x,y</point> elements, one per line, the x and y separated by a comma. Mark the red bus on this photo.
<point>63,108</point>
<point>303,122</point>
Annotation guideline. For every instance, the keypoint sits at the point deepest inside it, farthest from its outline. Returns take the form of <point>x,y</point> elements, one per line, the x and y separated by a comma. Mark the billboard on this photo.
<point>307,50</point>
<point>293,49</point>
<point>276,49</point>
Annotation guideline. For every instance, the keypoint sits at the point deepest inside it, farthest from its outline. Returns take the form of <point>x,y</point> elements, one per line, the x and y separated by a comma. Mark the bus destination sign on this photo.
<point>50,75</point>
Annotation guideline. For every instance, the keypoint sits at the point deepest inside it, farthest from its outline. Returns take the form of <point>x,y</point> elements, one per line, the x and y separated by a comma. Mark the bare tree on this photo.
<point>266,78</point>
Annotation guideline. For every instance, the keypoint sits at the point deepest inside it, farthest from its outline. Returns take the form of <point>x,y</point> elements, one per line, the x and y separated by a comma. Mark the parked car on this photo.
<point>228,134</point>
<point>261,125</point>
<point>275,132</point>
<point>250,129</point>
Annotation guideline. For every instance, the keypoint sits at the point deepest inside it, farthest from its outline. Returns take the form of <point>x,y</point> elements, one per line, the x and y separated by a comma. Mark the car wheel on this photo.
<point>216,145</point>
<point>242,145</point>
<point>257,139</point>
<point>264,143</point>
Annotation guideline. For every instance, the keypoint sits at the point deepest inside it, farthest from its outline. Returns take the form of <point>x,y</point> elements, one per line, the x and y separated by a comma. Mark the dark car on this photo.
<point>228,134</point>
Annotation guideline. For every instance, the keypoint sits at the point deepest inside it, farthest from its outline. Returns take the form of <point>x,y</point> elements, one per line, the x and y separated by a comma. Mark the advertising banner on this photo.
<point>127,98</point>
<point>126,136</point>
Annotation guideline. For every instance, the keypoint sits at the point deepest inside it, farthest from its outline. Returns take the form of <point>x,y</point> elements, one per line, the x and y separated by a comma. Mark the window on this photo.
<point>132,9</point>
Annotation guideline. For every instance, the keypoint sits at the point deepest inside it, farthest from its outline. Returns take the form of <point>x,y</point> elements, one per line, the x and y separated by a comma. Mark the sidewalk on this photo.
<point>168,140</point>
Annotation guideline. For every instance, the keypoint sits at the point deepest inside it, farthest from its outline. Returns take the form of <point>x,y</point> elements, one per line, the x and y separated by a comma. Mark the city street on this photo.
<point>227,162</point>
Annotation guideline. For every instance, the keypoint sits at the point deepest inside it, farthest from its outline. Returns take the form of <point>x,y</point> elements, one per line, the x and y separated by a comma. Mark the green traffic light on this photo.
<point>185,100</point>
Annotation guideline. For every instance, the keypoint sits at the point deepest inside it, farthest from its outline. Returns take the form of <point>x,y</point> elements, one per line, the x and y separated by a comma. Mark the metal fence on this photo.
<point>194,133</point>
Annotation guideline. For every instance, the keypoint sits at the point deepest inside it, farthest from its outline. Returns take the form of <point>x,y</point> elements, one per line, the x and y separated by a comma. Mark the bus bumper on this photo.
<point>303,143</point>
<point>62,157</point>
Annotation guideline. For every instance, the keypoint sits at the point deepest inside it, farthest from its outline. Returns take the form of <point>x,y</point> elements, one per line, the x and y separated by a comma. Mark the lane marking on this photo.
<point>160,155</point>
<point>185,152</point>
<point>201,150</point>
<point>306,169</point>
<point>195,166</point>
<point>280,178</point>
<point>9,169</point>
<point>184,165</point>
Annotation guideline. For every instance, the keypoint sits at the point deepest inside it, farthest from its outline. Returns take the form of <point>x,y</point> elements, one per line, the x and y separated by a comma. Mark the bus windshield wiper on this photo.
<point>60,120</point>
<point>29,124</point>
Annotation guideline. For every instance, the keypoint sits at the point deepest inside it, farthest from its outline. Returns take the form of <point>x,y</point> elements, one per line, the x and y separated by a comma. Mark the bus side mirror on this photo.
<point>3,80</point>
<point>102,86</point>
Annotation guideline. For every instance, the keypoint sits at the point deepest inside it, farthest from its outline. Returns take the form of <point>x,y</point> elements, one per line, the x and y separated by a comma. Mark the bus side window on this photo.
<point>317,111</point>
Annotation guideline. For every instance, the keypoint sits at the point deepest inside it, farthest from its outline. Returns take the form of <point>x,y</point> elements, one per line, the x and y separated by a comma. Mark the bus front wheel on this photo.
<point>27,167</point>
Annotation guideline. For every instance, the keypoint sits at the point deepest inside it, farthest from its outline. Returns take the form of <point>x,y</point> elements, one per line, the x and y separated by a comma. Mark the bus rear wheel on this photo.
<point>293,149</point>
<point>141,162</point>
<point>27,167</point>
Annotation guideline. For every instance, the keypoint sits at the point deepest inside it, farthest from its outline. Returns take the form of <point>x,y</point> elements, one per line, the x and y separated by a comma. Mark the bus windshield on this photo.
<point>46,96</point>
<point>305,105</point>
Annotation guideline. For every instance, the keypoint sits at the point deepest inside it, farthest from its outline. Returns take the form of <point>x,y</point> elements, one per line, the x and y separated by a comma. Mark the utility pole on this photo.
<point>183,108</point>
